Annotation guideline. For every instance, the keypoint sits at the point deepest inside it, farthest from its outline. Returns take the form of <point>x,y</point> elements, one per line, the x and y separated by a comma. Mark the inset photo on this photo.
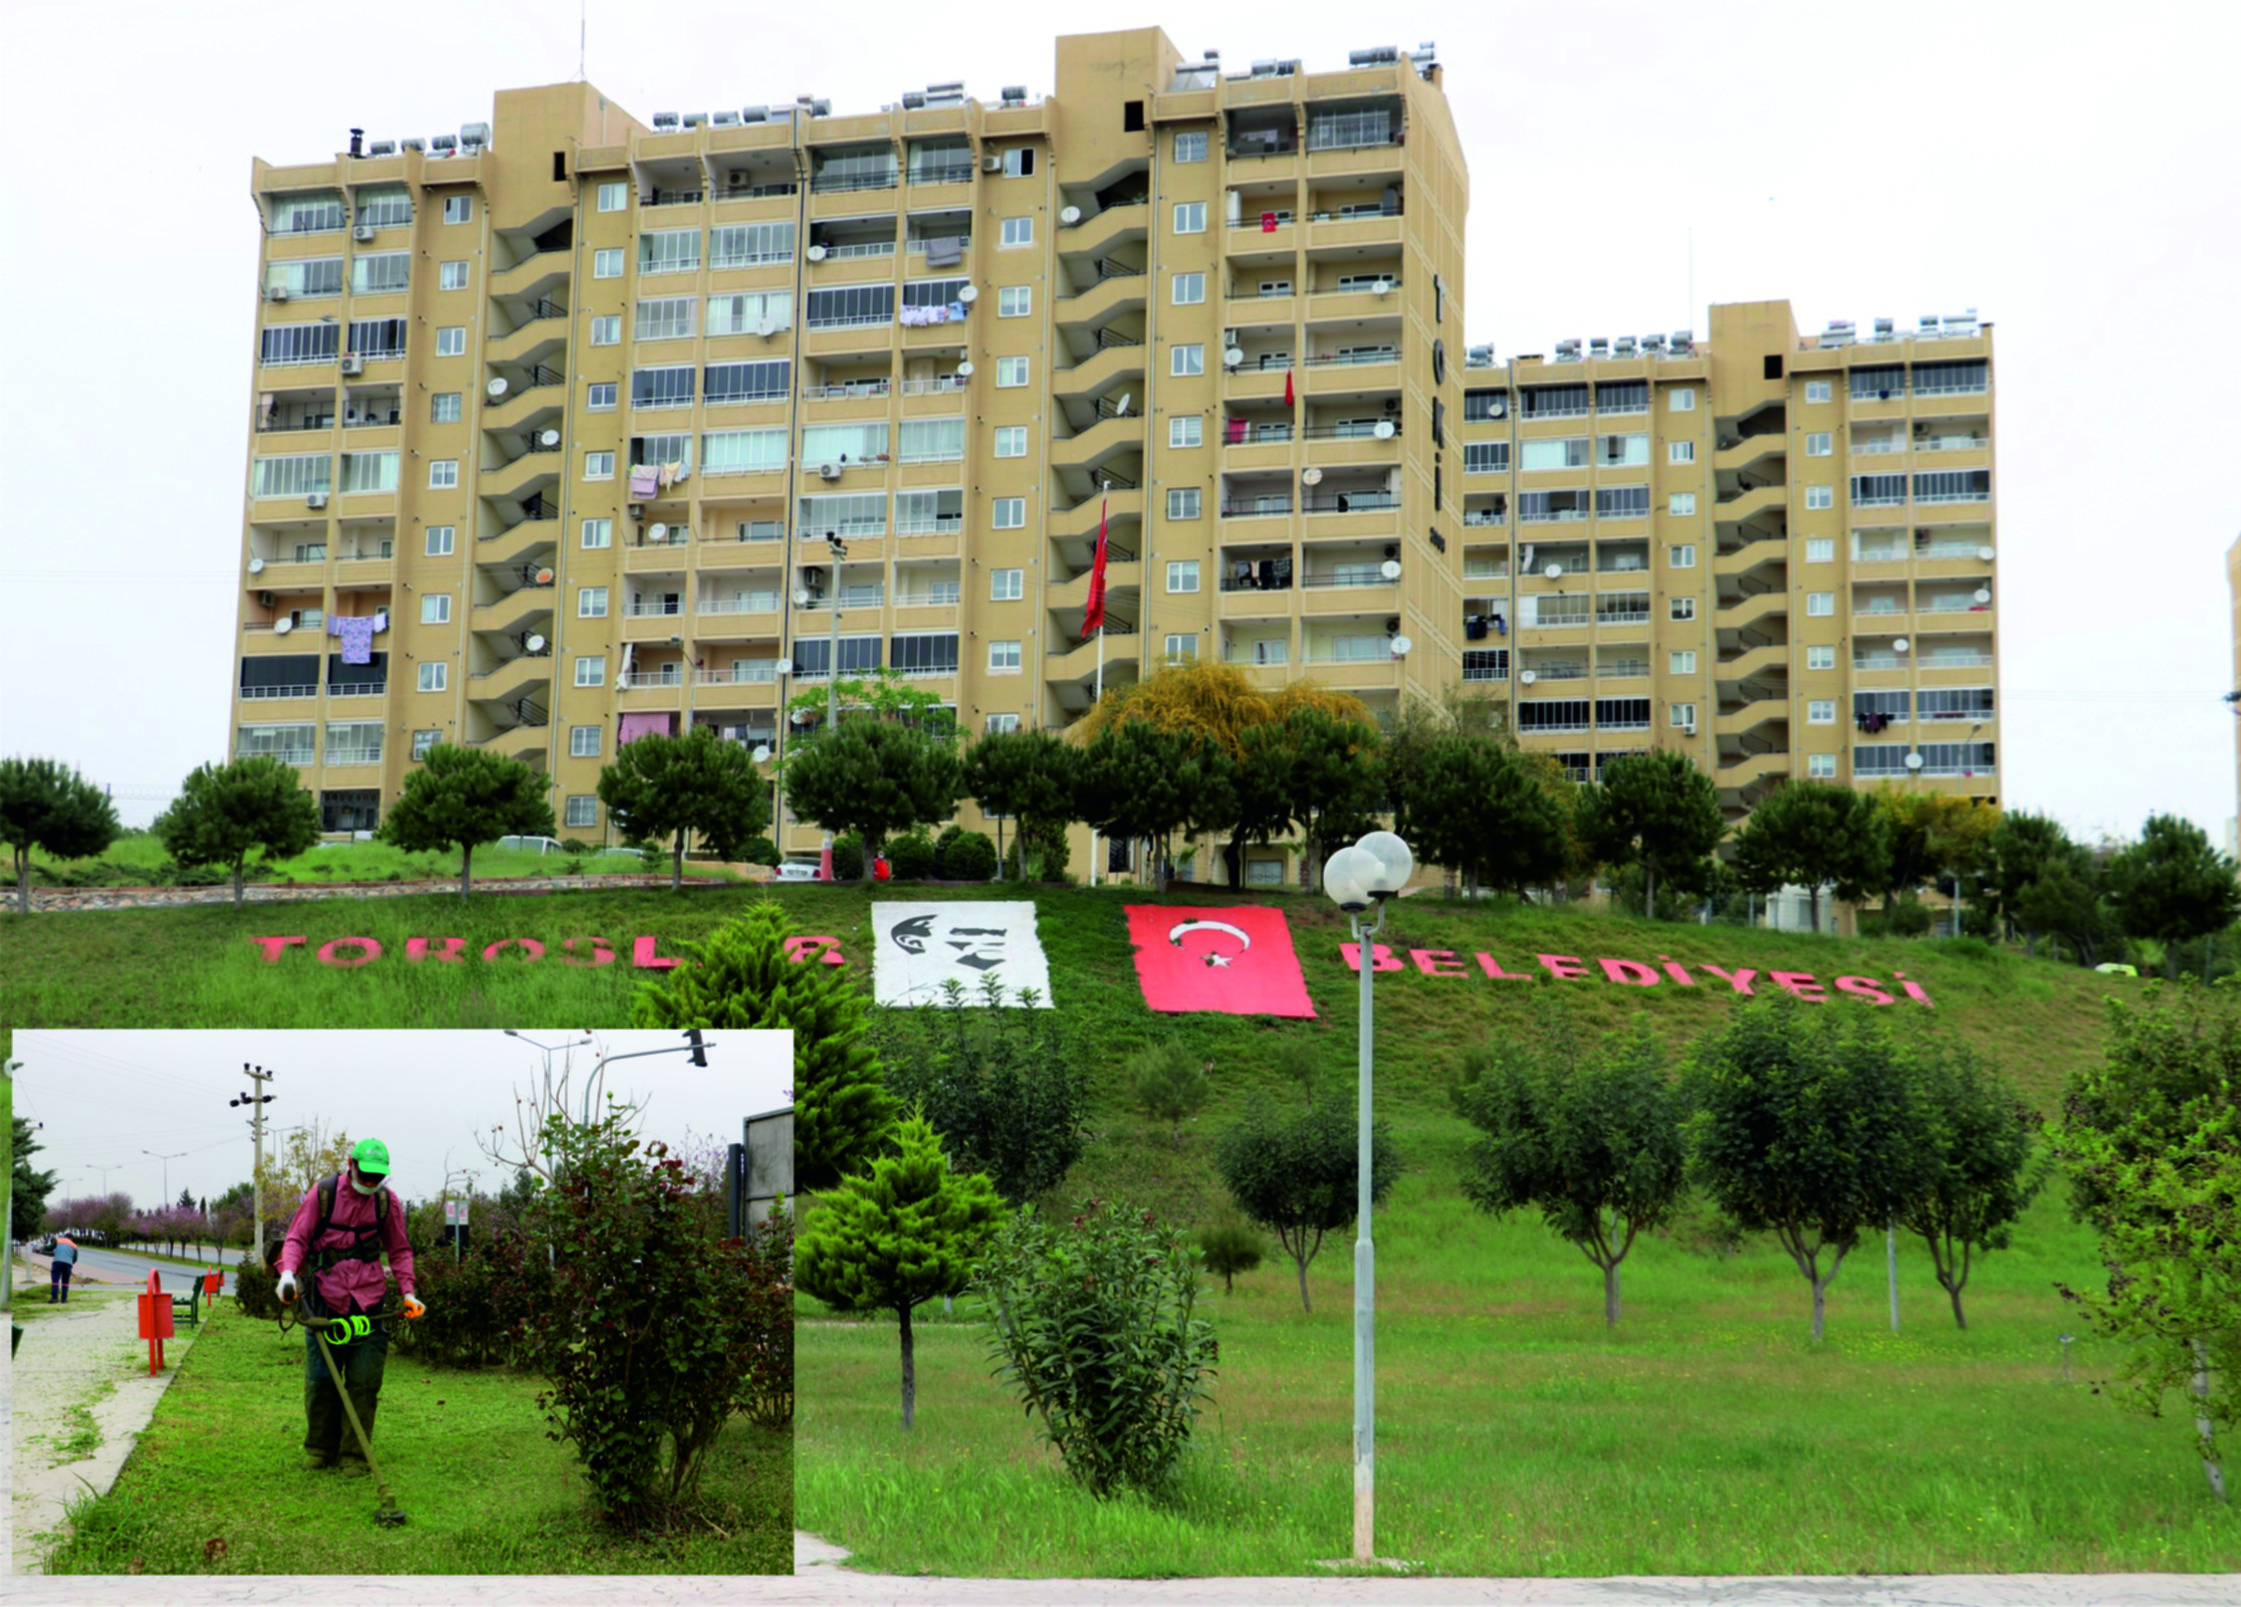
<point>359,1302</point>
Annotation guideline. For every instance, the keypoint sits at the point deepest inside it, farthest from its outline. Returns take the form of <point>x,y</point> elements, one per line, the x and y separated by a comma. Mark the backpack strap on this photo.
<point>366,1245</point>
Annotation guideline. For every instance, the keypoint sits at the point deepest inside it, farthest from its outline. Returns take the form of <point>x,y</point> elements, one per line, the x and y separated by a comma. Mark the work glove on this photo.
<point>414,1310</point>
<point>287,1288</point>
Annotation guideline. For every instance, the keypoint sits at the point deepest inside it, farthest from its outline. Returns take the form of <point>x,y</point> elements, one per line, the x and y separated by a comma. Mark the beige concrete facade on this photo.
<point>1222,311</point>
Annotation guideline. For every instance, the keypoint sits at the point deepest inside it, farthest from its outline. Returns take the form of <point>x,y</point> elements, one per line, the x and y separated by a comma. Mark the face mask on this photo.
<point>358,1182</point>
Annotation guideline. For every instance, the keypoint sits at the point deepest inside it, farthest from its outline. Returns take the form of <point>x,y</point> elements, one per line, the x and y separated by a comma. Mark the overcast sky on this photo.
<point>105,1099</point>
<point>2067,171</point>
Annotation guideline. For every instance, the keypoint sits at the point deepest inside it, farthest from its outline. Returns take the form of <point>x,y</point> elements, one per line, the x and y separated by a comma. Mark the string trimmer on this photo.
<point>388,1514</point>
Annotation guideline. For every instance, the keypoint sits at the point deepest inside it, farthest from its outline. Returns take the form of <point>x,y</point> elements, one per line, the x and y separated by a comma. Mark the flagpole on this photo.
<point>1097,599</point>
<point>1093,702</point>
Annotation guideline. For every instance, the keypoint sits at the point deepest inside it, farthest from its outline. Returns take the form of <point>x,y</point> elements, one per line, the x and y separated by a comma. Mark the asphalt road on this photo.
<point>123,1266</point>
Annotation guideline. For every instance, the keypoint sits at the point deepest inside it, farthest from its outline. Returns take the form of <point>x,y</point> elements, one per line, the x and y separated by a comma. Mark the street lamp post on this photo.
<point>839,550</point>
<point>1366,874</point>
<point>167,1160</point>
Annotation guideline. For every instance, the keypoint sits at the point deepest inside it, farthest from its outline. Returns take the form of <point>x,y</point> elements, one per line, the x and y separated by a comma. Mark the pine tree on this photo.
<point>898,1235</point>
<point>742,977</point>
<point>226,812</point>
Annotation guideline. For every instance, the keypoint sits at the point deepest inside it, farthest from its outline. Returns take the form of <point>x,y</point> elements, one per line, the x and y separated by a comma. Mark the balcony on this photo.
<point>512,680</point>
<point>518,610</point>
<point>1750,451</point>
<point>1737,561</point>
<point>1119,358</point>
<point>1095,236</point>
<point>1746,717</point>
<point>1350,590</point>
<point>1771,659</point>
<point>1771,604</point>
<point>1120,288</point>
<point>536,275</point>
<point>1099,444</point>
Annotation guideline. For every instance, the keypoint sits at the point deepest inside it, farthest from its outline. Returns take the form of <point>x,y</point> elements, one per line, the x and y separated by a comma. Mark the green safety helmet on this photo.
<point>371,1156</point>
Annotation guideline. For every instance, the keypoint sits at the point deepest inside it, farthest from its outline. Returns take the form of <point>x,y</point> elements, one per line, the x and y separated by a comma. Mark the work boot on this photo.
<point>316,1463</point>
<point>353,1467</point>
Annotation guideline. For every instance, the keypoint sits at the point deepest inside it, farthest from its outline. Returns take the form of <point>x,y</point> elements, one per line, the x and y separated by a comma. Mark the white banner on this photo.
<point>919,947</point>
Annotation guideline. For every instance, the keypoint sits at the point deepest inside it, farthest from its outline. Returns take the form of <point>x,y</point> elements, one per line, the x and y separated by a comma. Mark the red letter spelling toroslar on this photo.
<point>601,952</point>
<point>643,957</point>
<point>273,945</point>
<point>531,949</point>
<point>368,951</point>
<point>416,948</point>
<point>800,948</point>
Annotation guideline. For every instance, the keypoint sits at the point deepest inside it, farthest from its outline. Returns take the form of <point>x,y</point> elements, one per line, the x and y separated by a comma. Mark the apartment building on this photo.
<point>567,428</point>
<point>1771,552</point>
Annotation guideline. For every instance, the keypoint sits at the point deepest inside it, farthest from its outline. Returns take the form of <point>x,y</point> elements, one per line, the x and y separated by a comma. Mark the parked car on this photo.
<point>534,845</point>
<point>797,870</point>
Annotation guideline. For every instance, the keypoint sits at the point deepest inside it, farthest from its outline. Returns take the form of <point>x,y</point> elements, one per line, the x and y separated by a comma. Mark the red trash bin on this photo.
<point>155,1322</point>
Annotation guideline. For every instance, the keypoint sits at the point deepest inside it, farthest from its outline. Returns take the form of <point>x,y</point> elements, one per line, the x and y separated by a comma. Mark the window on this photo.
<point>1820,658</point>
<point>742,451</point>
<point>1182,575</point>
<point>669,251</point>
<point>591,602</point>
<point>1820,711</point>
<point>1544,507</point>
<point>1623,502</point>
<point>451,276</point>
<point>1183,503</point>
<point>1019,162</point>
<point>1186,431</point>
<point>381,271</point>
<point>1015,301</point>
<point>613,197</point>
<point>1681,399</point>
<point>1486,457</point>
<point>1630,396</point>
<point>1017,232</point>
<point>591,670</point>
<point>1184,361</point>
<point>1680,451</point>
<point>599,533</point>
<point>1007,585</point>
<point>1002,724</point>
<point>583,742</point>
<point>853,515</point>
<point>1818,390</point>
<point>1011,440</point>
<point>930,653</point>
<point>1181,649</point>
<point>422,741</point>
<point>932,440</point>
<point>1681,716</point>
<point>745,382</point>
<point>607,262</point>
<point>443,474</point>
<point>1820,496</point>
<point>599,465</point>
<point>751,312</point>
<point>1011,372</point>
<point>600,398</point>
<point>1622,451</point>
<point>1683,663</point>
<point>458,208</point>
<point>1820,766</point>
<point>745,245</point>
<point>1683,556</point>
<point>306,276</point>
<point>1190,217</point>
<point>661,387</point>
<point>452,341</point>
<point>1560,452</point>
<point>286,345</point>
<point>312,212</point>
<point>435,608</point>
<point>1191,147</point>
<point>434,676</point>
<point>1818,444</point>
<point>1820,550</point>
<point>1003,658</point>
<point>1820,604</point>
<point>443,408</point>
<point>1189,289</point>
<point>1007,513</point>
<point>582,811</point>
<point>1554,401</point>
<point>440,540</point>
<point>847,443</point>
<point>666,318</point>
<point>296,475</point>
<point>1681,608</point>
<point>1682,503</point>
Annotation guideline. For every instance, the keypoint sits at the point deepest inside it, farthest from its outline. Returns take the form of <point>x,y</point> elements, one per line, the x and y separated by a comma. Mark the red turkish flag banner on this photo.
<point>1287,387</point>
<point>1236,961</point>
<point>1093,611</point>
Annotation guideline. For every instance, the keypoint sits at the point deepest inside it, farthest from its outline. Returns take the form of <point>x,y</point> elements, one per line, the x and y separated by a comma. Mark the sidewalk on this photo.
<point>89,1355</point>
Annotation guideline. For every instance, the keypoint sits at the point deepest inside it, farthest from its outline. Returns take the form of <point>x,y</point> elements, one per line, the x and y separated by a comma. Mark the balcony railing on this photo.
<point>935,386</point>
<point>1955,660</point>
<point>932,597</point>
<point>354,755</point>
<point>1350,502</point>
<point>941,524</point>
<point>761,673</point>
<point>284,755</point>
<point>845,391</point>
<point>1346,582</point>
<point>754,602</point>
<point>1564,671</point>
<point>1355,214</point>
<point>655,609</point>
<point>1354,430</point>
<point>294,689</point>
<point>859,250</point>
<point>357,688</point>
<point>1352,359</point>
<point>842,183</point>
<point>1110,339</point>
<point>647,680</point>
<point>1258,508</point>
<point>943,172</point>
<point>1962,604</point>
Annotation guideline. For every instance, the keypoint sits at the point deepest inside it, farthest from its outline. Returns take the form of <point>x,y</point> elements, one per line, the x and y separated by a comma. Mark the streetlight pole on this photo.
<point>167,1160</point>
<point>839,550</point>
<point>550,1049</point>
<point>256,1102</point>
<point>1355,878</point>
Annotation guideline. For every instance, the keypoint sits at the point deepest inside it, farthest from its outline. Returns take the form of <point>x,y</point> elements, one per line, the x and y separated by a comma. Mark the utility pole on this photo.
<point>8,1235</point>
<point>256,1103</point>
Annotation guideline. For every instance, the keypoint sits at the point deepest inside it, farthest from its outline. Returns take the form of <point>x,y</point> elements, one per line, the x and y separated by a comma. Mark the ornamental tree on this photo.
<point>873,778</point>
<point>467,796</point>
<point>678,787</point>
<point>45,806</point>
<point>1657,810</point>
<point>226,812</point>
<point>1807,1127</point>
<point>1298,1175</point>
<point>2173,886</point>
<point>2023,849</point>
<point>1588,1134</point>
<point>1170,1085</point>
<point>1813,834</point>
<point>1977,1175</point>
<point>742,975</point>
<point>904,1231</point>
<point>1026,775</point>
<point>1478,811</point>
<point>1140,781</point>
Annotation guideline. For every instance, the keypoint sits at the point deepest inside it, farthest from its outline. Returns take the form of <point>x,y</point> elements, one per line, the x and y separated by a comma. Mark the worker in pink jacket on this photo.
<point>336,1240</point>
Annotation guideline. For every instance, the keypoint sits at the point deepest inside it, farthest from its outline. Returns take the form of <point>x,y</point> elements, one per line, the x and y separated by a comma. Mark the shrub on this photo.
<point>256,1291</point>
<point>1908,917</point>
<point>479,1308</point>
<point>949,834</point>
<point>1229,1248</point>
<point>759,851</point>
<point>1036,857</point>
<point>576,847</point>
<point>911,857</point>
<point>971,857</point>
<point>848,859</point>
<point>766,1394</point>
<point>1170,1085</point>
<point>1093,1326</point>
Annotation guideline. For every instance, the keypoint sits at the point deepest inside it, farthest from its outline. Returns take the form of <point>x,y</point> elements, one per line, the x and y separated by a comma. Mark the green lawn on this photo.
<point>215,1487</point>
<point>139,859</point>
<point>1516,1436</point>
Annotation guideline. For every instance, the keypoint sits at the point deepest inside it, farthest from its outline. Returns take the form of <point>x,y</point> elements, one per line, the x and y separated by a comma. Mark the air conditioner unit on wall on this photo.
<point>828,471</point>
<point>364,231</point>
<point>353,365</point>
<point>277,293</point>
<point>315,499</point>
<point>992,164</point>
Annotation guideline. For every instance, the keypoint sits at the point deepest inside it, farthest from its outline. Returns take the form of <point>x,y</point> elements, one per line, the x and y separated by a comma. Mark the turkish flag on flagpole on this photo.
<point>1093,612</point>
<point>1287,387</point>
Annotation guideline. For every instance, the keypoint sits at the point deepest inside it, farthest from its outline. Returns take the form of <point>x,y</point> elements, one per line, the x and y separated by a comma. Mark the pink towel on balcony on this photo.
<point>645,480</point>
<point>357,633</point>
<point>635,726</point>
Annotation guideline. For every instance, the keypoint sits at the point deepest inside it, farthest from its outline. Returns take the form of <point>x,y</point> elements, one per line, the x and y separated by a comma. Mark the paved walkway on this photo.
<point>87,1354</point>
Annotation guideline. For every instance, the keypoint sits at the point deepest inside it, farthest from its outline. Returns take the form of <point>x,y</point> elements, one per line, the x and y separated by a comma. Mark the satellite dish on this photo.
<point>762,753</point>
<point>1383,287</point>
<point>1983,594</point>
<point>281,627</point>
<point>533,643</point>
<point>801,596</point>
<point>1527,677</point>
<point>549,438</point>
<point>495,389</point>
<point>1120,408</point>
<point>1914,761</point>
<point>256,566</point>
<point>1232,357</point>
<point>1069,214</point>
<point>1984,553</point>
<point>1390,569</point>
<point>969,293</point>
<point>965,369</point>
<point>816,253</point>
<point>1554,571</point>
<point>1312,477</point>
<point>784,666</point>
<point>1401,645</point>
<point>544,577</point>
<point>1383,429</point>
<point>659,532</point>
<point>1899,646</point>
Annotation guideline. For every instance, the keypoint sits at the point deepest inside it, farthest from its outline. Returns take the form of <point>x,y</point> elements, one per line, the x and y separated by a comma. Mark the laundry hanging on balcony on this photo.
<point>635,726</point>
<point>357,633</point>
<point>645,479</point>
<point>945,251</point>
